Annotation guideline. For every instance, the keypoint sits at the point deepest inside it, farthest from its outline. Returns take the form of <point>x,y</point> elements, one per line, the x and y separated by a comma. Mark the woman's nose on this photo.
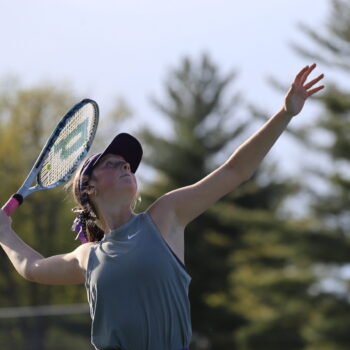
<point>126,166</point>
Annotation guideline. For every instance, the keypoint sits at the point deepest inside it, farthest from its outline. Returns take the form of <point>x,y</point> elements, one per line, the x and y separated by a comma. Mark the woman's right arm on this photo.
<point>59,269</point>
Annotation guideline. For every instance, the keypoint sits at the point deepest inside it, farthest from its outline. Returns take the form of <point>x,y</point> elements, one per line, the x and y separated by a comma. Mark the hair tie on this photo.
<point>79,225</point>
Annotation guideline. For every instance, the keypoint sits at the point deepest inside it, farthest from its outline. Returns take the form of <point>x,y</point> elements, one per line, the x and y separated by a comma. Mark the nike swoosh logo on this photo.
<point>133,235</point>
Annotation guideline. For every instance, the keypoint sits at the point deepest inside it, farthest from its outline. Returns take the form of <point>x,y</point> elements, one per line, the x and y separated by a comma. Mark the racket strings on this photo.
<point>70,146</point>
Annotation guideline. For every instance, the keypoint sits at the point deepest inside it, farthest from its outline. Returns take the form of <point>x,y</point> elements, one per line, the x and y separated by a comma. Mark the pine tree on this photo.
<point>204,123</point>
<point>27,118</point>
<point>329,324</point>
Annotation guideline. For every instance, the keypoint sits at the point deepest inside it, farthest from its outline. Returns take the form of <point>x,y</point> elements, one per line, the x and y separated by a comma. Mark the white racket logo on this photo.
<point>73,142</point>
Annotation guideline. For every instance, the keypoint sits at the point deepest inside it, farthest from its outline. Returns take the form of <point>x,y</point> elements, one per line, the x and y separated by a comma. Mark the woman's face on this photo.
<point>112,174</point>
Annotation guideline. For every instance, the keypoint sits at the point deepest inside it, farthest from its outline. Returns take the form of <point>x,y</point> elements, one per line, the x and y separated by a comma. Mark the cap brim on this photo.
<point>126,146</point>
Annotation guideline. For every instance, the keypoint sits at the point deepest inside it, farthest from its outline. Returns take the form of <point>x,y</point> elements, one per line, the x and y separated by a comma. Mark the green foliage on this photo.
<point>289,280</point>
<point>332,208</point>
<point>329,318</point>
<point>234,251</point>
<point>27,117</point>
<point>259,275</point>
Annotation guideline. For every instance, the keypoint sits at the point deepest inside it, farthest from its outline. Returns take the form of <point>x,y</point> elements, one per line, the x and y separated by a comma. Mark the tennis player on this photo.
<point>133,264</point>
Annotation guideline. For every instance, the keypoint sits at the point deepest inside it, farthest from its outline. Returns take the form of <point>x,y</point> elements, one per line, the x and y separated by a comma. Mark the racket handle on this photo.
<point>12,204</point>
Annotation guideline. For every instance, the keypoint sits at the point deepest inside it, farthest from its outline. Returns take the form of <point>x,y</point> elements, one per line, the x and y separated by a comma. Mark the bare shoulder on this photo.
<point>68,268</point>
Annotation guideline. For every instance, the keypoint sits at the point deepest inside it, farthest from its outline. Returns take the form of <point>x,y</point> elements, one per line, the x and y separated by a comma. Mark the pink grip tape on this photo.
<point>10,206</point>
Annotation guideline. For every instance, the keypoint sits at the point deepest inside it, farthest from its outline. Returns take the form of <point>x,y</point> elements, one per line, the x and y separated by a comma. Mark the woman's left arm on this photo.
<point>248,156</point>
<point>189,202</point>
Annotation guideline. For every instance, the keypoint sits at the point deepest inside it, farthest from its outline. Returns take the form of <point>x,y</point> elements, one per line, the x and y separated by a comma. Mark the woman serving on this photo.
<point>133,264</point>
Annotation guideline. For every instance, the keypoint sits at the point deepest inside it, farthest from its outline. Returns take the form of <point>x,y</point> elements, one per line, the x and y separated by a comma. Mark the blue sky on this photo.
<point>106,48</point>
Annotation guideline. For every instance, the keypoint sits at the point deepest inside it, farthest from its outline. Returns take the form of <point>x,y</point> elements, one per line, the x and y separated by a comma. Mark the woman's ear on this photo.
<point>90,190</point>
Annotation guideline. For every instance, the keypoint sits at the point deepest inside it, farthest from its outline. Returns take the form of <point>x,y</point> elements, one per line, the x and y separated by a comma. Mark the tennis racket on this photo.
<point>63,152</point>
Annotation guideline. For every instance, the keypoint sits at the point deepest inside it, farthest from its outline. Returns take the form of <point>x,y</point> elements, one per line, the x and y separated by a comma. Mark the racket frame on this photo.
<point>25,189</point>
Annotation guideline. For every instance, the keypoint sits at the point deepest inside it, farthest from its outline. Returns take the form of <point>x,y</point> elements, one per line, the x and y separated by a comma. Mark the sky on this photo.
<point>105,49</point>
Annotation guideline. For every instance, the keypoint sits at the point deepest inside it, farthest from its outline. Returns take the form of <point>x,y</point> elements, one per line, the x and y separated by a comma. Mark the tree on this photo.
<point>204,125</point>
<point>302,303</point>
<point>27,117</point>
<point>329,323</point>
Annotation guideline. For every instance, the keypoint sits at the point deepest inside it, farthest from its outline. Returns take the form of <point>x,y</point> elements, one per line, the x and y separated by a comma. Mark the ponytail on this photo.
<point>85,223</point>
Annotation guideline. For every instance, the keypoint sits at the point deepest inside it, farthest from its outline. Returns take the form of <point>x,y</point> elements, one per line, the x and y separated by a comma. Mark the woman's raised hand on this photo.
<point>300,90</point>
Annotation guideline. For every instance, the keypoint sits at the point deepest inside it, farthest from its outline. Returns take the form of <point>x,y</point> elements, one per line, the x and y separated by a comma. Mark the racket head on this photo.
<point>68,145</point>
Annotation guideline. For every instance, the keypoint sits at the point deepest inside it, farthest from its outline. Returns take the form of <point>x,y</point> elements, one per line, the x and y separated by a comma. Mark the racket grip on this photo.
<point>12,204</point>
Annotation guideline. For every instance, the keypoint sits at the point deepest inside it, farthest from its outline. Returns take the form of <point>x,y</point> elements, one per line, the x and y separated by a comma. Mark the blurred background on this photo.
<point>191,79</point>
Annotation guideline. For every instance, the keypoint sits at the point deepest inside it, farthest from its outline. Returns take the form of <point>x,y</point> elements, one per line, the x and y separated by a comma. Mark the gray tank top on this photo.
<point>137,290</point>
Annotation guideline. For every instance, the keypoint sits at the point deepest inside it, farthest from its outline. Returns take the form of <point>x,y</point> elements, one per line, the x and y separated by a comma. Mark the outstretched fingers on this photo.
<point>313,82</point>
<point>299,76</point>
<point>313,91</point>
<point>302,76</point>
<point>306,74</point>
